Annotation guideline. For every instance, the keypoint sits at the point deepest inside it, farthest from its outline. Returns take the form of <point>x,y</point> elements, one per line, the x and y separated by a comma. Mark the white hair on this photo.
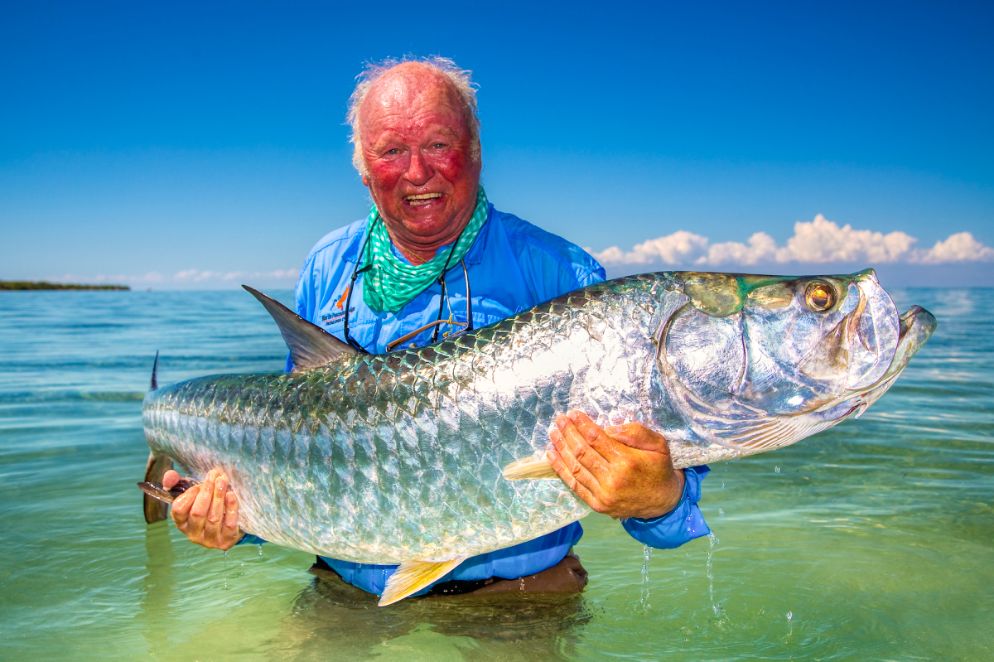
<point>458,78</point>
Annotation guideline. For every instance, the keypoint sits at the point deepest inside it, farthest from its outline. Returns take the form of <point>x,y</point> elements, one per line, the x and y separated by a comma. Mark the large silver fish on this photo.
<point>416,457</point>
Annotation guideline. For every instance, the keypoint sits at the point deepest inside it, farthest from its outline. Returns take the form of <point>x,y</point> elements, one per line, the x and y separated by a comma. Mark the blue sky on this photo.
<point>200,145</point>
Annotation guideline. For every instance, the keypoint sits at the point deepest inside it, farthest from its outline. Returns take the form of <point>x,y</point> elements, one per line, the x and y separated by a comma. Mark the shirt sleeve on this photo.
<point>681,525</point>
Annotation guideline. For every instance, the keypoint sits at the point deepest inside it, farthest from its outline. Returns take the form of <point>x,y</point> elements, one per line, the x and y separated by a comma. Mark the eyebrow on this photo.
<point>391,135</point>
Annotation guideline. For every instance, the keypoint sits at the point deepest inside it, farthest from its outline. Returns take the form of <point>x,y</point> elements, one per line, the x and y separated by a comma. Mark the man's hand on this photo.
<point>621,471</point>
<point>206,513</point>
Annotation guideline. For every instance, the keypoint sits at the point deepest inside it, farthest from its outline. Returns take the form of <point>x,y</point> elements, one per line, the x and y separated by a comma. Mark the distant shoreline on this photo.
<point>8,285</point>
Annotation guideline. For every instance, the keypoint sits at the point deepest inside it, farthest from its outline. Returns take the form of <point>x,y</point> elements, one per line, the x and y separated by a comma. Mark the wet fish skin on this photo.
<point>400,458</point>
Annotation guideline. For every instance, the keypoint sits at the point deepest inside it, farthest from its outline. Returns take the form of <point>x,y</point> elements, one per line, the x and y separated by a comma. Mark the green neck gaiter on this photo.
<point>391,281</point>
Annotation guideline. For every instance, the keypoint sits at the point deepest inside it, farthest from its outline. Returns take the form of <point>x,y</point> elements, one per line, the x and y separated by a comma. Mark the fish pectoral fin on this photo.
<point>767,435</point>
<point>531,467</point>
<point>310,345</point>
<point>412,576</point>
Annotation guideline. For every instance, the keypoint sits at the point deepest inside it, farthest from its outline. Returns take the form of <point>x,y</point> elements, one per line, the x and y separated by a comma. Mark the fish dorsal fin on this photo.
<point>412,576</point>
<point>310,345</point>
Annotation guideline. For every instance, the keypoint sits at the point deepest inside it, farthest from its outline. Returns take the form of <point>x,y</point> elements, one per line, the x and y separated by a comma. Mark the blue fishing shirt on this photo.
<point>511,267</point>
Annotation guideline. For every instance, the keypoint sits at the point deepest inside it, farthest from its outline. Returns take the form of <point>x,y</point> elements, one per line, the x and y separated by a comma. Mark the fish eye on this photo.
<point>819,296</point>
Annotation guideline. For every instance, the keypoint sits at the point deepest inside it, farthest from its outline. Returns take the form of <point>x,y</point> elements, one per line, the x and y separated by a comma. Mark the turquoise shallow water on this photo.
<point>872,540</point>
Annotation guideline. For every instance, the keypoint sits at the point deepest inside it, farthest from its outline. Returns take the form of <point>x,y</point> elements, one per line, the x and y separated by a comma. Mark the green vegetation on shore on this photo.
<point>45,285</point>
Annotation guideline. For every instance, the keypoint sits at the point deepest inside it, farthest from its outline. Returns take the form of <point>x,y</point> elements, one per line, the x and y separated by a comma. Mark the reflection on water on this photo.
<point>157,587</point>
<point>332,615</point>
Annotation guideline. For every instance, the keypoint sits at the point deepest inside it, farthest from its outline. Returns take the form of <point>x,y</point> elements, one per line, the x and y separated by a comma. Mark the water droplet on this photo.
<point>721,511</point>
<point>790,616</point>
<point>225,569</point>
<point>644,605</point>
<point>777,468</point>
<point>709,573</point>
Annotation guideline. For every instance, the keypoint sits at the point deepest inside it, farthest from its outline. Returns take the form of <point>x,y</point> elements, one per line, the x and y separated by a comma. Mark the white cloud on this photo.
<point>761,248</point>
<point>821,240</point>
<point>959,247</point>
<point>813,242</point>
<point>681,246</point>
<point>207,276</point>
<point>150,278</point>
<point>186,278</point>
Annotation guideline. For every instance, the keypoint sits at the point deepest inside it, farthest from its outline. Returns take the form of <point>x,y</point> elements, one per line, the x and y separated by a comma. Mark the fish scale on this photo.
<point>406,458</point>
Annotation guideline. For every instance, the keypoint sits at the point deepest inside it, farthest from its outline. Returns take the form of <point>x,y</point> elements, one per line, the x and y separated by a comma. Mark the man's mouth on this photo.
<point>422,199</point>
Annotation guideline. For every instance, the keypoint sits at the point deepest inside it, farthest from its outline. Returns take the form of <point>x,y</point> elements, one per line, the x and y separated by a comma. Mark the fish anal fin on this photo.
<point>412,576</point>
<point>530,467</point>
<point>310,345</point>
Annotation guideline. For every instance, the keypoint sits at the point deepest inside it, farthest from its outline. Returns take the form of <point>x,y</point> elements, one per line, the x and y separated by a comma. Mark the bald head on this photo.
<point>394,84</point>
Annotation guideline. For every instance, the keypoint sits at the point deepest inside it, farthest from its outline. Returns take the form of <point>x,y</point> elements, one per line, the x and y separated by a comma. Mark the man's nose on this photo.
<point>418,170</point>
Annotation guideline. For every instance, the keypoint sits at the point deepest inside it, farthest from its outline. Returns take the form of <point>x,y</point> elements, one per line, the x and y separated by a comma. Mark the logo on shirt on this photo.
<point>341,299</point>
<point>331,318</point>
<point>334,317</point>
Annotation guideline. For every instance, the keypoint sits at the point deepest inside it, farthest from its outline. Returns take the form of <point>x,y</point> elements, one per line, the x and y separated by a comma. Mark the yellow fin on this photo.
<point>531,467</point>
<point>412,576</point>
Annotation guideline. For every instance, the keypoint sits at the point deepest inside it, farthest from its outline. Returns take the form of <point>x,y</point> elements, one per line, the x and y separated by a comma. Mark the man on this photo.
<point>434,257</point>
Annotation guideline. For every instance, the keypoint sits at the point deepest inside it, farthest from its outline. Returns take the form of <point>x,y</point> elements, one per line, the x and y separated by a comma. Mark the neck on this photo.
<point>419,252</point>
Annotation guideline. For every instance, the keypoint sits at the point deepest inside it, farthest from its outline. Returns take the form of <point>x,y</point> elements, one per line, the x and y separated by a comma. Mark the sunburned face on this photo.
<point>418,150</point>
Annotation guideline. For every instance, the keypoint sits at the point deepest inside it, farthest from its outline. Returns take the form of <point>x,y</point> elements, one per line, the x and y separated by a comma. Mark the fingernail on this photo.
<point>573,414</point>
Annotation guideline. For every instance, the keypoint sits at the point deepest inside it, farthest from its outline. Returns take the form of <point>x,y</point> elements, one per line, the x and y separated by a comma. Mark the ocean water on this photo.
<point>873,540</point>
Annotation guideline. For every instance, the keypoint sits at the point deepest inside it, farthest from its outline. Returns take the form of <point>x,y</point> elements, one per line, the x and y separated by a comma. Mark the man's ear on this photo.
<point>365,181</point>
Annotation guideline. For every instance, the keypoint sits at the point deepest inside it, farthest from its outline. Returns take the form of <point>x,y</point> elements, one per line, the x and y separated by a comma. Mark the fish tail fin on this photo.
<point>155,511</point>
<point>154,382</point>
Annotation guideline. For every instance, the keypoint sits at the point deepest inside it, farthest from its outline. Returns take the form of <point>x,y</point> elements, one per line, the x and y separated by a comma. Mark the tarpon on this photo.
<point>426,457</point>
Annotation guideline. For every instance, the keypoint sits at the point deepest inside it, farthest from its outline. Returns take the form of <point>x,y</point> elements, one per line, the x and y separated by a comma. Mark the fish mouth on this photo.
<point>916,326</point>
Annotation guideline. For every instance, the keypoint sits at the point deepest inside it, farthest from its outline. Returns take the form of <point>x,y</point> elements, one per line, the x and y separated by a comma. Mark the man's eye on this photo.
<point>393,151</point>
<point>439,145</point>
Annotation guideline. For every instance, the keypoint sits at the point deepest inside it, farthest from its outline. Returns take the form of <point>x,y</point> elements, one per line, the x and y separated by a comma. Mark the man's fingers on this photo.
<point>202,504</point>
<point>570,468</point>
<point>208,513</point>
<point>593,435</point>
<point>577,439</point>
<point>181,506</point>
<point>214,523</point>
<point>572,482</point>
<point>230,525</point>
<point>169,479</point>
<point>216,513</point>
